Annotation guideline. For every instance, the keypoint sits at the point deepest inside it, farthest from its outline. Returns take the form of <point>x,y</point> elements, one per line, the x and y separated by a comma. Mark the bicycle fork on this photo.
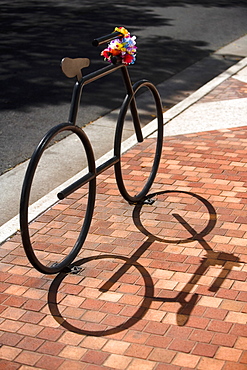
<point>133,107</point>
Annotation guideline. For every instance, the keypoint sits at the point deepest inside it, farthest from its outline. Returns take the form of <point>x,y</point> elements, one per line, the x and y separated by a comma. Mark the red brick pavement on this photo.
<point>229,89</point>
<point>180,299</point>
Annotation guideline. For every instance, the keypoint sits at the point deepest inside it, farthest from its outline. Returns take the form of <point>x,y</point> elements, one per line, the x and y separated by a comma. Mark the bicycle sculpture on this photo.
<point>121,52</point>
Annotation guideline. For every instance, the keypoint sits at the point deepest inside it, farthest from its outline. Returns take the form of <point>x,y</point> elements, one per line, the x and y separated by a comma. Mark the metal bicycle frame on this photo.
<point>76,97</point>
<point>73,68</point>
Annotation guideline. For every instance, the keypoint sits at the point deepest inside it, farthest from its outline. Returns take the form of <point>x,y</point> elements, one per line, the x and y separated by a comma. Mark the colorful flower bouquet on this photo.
<point>121,49</point>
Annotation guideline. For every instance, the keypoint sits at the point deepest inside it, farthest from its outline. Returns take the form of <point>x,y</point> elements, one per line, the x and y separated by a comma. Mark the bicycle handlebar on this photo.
<point>106,38</point>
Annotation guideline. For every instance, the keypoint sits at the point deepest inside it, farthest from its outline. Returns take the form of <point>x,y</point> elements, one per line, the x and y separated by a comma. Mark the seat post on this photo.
<point>75,101</point>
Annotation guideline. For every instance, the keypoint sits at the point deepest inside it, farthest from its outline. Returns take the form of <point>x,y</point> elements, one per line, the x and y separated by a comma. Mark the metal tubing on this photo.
<point>107,38</point>
<point>75,101</point>
<point>76,96</point>
<point>133,107</point>
<point>100,73</point>
<point>106,165</point>
<point>76,185</point>
<point>87,178</point>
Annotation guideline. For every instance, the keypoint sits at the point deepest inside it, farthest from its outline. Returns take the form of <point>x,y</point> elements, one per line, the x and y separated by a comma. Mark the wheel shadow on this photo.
<point>185,298</point>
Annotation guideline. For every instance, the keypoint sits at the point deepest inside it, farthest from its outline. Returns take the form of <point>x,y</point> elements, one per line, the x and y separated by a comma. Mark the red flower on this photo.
<point>127,59</point>
<point>105,53</point>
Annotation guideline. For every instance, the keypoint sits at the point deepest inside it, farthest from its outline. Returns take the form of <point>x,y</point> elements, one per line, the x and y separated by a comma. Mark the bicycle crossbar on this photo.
<point>93,76</point>
<point>87,178</point>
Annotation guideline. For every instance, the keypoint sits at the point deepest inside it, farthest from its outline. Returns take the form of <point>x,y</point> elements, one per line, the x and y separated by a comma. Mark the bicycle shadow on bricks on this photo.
<point>163,210</point>
<point>225,260</point>
<point>99,329</point>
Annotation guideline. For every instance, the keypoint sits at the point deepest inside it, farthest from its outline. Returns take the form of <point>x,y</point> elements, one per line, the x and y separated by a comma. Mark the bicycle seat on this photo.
<point>72,67</point>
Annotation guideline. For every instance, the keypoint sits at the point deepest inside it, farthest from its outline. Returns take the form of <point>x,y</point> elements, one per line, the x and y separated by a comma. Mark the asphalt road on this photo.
<point>35,36</point>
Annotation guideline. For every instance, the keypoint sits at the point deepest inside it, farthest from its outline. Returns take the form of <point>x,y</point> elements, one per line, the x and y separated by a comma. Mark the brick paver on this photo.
<point>174,273</point>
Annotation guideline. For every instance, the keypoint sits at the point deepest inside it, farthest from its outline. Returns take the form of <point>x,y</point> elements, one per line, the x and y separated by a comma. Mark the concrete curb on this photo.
<point>204,90</point>
<point>12,226</point>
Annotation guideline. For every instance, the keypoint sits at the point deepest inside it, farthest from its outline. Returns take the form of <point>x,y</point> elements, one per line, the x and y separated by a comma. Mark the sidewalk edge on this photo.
<point>204,90</point>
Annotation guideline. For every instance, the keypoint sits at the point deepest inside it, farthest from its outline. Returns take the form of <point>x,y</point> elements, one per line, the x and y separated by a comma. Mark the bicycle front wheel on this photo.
<point>135,173</point>
<point>46,242</point>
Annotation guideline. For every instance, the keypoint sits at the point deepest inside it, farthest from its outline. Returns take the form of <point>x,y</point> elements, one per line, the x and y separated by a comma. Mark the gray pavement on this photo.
<point>184,117</point>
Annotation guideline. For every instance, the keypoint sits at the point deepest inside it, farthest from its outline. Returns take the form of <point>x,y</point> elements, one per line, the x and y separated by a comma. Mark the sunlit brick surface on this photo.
<point>162,286</point>
<point>229,89</point>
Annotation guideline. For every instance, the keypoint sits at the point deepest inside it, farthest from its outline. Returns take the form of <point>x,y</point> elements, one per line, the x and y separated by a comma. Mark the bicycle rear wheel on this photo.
<point>44,254</point>
<point>135,175</point>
